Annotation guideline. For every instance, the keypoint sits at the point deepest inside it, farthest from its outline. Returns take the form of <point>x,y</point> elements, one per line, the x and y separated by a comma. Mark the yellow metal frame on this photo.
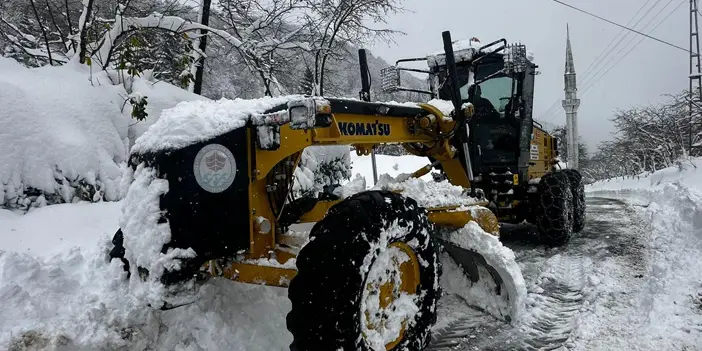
<point>426,135</point>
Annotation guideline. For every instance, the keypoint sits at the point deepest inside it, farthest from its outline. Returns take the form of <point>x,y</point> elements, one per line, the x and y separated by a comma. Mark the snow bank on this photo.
<point>65,137</point>
<point>668,311</point>
<point>58,130</point>
<point>677,187</point>
<point>52,229</point>
<point>76,300</point>
<point>161,96</point>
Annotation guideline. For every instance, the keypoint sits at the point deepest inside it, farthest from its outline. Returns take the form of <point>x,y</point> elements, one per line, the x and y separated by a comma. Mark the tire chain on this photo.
<point>555,208</point>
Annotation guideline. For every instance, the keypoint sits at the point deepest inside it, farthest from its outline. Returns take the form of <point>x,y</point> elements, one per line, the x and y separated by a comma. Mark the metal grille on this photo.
<point>390,79</point>
<point>515,58</point>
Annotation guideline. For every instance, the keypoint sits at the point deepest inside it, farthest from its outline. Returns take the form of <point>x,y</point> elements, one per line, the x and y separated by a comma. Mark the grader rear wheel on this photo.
<point>368,279</point>
<point>554,209</point>
<point>578,189</point>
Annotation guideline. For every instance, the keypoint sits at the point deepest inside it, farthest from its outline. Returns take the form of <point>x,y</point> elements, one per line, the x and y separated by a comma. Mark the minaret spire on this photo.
<point>569,65</point>
<point>571,104</point>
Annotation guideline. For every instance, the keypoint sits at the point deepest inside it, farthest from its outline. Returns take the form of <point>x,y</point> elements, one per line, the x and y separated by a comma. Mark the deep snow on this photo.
<point>54,273</point>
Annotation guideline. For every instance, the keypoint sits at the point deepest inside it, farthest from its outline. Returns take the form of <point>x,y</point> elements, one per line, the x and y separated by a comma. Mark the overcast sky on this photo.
<point>649,71</point>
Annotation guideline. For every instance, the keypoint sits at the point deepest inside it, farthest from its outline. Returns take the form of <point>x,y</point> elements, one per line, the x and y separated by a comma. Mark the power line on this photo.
<point>619,25</point>
<point>607,57</point>
<point>631,39</point>
<point>632,48</point>
<point>620,33</point>
<point>594,65</point>
<point>600,63</point>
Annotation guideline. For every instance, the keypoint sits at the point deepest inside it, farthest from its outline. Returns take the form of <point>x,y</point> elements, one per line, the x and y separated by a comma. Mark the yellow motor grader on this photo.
<point>367,275</point>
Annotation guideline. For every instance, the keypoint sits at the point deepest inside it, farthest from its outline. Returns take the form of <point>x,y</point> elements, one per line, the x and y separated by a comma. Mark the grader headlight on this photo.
<point>301,117</point>
<point>309,113</point>
<point>323,106</point>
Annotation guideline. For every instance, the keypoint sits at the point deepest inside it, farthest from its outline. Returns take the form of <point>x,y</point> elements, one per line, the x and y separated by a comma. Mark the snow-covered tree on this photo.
<point>648,138</point>
<point>333,24</point>
<point>561,134</point>
<point>307,82</point>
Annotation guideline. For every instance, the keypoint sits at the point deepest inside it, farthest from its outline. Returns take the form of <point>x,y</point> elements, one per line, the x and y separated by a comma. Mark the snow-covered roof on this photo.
<point>463,50</point>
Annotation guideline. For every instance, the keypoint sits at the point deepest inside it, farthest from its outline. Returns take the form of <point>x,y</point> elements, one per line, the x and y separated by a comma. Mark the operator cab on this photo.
<point>498,79</point>
<point>494,126</point>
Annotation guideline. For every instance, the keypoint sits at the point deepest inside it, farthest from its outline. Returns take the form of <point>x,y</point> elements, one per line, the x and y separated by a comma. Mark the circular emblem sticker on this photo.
<point>214,168</point>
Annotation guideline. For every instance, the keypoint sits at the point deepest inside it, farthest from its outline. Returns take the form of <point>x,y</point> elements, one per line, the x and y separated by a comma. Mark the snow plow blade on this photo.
<point>482,272</point>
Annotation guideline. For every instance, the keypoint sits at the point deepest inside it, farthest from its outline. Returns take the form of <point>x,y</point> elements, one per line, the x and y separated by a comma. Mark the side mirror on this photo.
<point>515,58</point>
<point>390,79</point>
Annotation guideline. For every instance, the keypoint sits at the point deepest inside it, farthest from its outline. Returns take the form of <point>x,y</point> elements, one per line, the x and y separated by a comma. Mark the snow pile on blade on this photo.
<point>427,194</point>
<point>194,121</point>
<point>482,294</point>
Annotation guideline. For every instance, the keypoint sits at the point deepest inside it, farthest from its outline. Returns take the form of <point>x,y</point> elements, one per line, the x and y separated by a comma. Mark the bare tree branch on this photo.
<point>43,31</point>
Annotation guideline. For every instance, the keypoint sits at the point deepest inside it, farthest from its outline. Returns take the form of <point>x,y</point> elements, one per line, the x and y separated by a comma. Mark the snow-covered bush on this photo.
<point>322,166</point>
<point>65,139</point>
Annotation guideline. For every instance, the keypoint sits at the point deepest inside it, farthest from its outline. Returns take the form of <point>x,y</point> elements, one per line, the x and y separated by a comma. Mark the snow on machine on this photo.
<point>210,194</point>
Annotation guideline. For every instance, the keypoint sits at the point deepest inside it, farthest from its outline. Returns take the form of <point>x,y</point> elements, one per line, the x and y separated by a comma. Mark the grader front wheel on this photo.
<point>368,279</point>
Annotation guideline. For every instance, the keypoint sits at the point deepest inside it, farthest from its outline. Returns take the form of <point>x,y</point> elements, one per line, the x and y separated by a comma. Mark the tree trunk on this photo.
<point>43,32</point>
<point>197,88</point>
<point>84,32</point>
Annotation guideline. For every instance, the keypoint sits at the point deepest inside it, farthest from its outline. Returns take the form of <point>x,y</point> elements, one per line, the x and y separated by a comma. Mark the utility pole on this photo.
<point>365,96</point>
<point>695,69</point>
<point>571,104</point>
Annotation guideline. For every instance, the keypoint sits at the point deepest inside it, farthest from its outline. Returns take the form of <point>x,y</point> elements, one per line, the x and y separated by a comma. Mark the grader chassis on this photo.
<point>342,297</point>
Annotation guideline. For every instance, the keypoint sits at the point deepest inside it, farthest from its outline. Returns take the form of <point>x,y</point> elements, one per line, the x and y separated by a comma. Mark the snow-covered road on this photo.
<point>598,292</point>
<point>631,280</point>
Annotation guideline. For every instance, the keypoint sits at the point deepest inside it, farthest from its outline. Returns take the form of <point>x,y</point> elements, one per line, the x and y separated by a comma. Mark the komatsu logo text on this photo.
<point>359,128</point>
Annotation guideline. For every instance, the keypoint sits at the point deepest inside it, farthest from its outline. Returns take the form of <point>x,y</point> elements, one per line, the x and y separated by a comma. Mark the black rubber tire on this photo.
<point>554,209</point>
<point>326,292</point>
<point>578,188</point>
